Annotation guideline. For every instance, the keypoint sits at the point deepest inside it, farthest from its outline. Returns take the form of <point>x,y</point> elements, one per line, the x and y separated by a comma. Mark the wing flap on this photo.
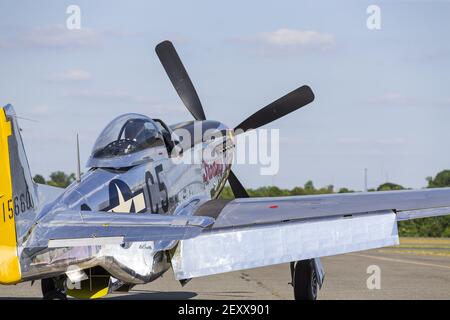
<point>230,249</point>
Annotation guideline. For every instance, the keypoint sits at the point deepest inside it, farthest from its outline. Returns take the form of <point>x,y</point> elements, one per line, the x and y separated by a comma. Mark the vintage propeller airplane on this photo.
<point>140,211</point>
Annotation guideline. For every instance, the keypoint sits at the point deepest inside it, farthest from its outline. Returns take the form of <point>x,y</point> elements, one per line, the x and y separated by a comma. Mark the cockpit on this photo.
<point>129,140</point>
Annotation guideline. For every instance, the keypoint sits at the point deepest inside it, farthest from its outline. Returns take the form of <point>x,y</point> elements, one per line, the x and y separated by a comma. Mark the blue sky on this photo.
<point>382,97</point>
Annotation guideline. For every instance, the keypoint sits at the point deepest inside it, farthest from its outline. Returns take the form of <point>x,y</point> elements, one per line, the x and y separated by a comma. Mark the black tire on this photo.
<point>55,295</point>
<point>50,291</point>
<point>305,281</point>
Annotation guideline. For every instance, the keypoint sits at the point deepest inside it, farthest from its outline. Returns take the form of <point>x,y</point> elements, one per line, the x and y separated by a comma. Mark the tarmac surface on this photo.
<point>416,270</point>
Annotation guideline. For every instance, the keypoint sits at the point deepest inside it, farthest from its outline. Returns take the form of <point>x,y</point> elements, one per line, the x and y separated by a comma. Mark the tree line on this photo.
<point>428,227</point>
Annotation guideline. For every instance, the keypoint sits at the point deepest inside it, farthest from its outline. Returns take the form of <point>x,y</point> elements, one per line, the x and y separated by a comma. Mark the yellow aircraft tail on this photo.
<point>9,261</point>
<point>17,195</point>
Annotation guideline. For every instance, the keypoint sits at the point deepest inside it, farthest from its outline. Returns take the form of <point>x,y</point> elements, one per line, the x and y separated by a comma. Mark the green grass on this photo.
<point>421,246</point>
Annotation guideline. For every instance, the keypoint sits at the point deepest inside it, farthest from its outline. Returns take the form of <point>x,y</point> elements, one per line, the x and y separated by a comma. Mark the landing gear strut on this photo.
<point>53,289</point>
<point>305,280</point>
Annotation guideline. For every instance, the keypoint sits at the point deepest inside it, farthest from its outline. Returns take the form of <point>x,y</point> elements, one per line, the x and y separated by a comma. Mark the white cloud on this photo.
<point>288,41</point>
<point>59,36</point>
<point>73,75</point>
<point>393,141</point>
<point>297,38</point>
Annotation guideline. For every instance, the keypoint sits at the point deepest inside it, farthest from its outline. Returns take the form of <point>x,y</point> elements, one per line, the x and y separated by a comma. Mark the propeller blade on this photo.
<point>236,186</point>
<point>180,79</point>
<point>279,108</point>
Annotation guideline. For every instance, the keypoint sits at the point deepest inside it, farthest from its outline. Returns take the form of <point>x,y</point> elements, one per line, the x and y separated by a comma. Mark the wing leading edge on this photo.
<point>251,211</point>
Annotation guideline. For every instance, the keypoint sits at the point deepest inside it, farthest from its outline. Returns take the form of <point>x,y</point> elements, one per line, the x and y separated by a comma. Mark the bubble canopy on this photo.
<point>127,140</point>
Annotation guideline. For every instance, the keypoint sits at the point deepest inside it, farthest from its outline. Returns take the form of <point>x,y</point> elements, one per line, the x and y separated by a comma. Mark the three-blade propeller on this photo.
<point>185,89</point>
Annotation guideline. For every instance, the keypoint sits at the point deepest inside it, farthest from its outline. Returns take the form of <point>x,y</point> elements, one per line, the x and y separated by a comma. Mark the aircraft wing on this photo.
<point>255,232</point>
<point>88,228</point>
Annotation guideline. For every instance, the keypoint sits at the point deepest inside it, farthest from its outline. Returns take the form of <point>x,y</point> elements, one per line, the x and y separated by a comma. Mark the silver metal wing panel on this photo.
<point>220,250</point>
<point>46,193</point>
<point>240,212</point>
<point>77,228</point>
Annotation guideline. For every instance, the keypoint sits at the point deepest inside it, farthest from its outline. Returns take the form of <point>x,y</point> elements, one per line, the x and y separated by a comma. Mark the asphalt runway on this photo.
<point>405,273</point>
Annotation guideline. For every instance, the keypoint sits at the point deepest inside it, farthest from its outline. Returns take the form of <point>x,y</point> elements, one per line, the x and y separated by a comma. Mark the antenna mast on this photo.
<point>78,161</point>
<point>365,179</point>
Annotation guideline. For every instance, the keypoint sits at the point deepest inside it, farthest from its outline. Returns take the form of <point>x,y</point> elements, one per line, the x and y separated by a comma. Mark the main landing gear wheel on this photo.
<point>304,280</point>
<point>51,291</point>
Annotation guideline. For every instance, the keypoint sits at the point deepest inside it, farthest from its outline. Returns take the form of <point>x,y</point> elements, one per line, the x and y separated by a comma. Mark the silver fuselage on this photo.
<point>159,185</point>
